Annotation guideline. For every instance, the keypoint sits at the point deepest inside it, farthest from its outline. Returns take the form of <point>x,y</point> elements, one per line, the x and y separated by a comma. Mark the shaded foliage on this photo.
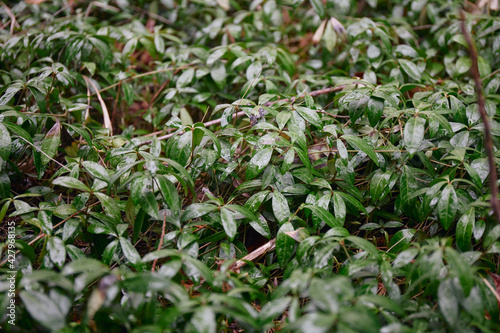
<point>145,146</point>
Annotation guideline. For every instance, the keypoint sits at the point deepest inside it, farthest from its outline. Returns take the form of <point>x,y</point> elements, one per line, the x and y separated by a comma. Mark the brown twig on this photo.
<point>269,246</point>
<point>488,142</point>
<point>242,113</point>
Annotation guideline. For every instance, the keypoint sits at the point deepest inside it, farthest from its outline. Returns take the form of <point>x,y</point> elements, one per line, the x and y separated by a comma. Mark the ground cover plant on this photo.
<point>209,166</point>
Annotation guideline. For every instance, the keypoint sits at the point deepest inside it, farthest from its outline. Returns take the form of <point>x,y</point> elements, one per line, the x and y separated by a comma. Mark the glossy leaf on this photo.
<point>71,182</point>
<point>51,143</point>
<point>465,225</point>
<point>228,222</point>
<point>324,215</point>
<point>414,134</point>
<point>363,146</point>
<point>284,244</point>
<point>447,206</point>
<point>258,162</point>
<point>281,209</point>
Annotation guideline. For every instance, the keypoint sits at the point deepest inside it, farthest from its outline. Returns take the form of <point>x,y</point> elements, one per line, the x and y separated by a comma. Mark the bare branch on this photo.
<point>488,142</point>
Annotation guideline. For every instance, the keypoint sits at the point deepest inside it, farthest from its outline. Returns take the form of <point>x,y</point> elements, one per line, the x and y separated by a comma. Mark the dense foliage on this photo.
<point>147,145</point>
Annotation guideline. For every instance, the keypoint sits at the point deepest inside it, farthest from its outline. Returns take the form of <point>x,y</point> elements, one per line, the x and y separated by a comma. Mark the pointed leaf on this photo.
<point>309,115</point>
<point>280,207</point>
<point>109,205</point>
<point>414,134</point>
<point>324,215</point>
<point>71,182</point>
<point>258,162</point>
<point>284,244</point>
<point>50,143</point>
<point>465,226</point>
<point>228,222</point>
<point>447,206</point>
<point>363,146</point>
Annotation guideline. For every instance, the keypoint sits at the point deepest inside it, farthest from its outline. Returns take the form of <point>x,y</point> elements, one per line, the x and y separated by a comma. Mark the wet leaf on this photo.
<point>284,244</point>
<point>280,207</point>
<point>258,162</point>
<point>447,206</point>
<point>414,134</point>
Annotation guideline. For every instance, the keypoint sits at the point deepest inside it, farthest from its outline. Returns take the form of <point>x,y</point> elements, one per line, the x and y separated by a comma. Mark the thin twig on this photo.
<point>44,153</point>
<point>105,113</point>
<point>168,69</point>
<point>491,74</point>
<point>493,290</point>
<point>488,142</point>
<point>12,17</point>
<point>269,246</point>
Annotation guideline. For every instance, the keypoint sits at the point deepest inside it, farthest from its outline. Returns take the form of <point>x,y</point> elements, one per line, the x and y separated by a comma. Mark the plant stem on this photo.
<point>488,142</point>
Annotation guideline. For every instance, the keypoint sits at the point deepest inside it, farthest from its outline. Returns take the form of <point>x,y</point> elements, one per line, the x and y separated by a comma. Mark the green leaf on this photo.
<point>228,222</point>
<point>253,70</point>
<point>150,205</point>
<point>159,43</point>
<point>18,131</point>
<point>203,320</point>
<point>280,207</point>
<point>448,301</point>
<point>465,225</point>
<point>284,244</point>
<point>243,211</point>
<point>4,187</point>
<point>258,162</point>
<point>401,240</point>
<point>363,244</point>
<point>43,309</point>
<point>10,92</point>
<point>492,236</point>
<point>379,185</point>
<point>483,66</point>
<point>214,139</point>
<point>329,37</point>
<point>363,146</point>
<point>349,199</point>
<point>50,143</point>
<point>39,96</point>
<point>461,269</point>
<point>56,251</point>
<point>414,134</point>
<point>375,109</point>
<point>130,252</point>
<point>5,143</point>
<point>130,47</point>
<point>319,8</point>
<point>128,93</point>
<point>357,106</point>
<point>447,206</point>
<point>339,207</point>
<point>410,68</point>
<point>218,74</point>
<point>309,115</point>
<point>324,215</point>
<point>197,210</point>
<point>96,170</point>
<point>138,188</point>
<point>109,205</point>
<point>463,65</point>
<point>185,79</point>
<point>169,192</point>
